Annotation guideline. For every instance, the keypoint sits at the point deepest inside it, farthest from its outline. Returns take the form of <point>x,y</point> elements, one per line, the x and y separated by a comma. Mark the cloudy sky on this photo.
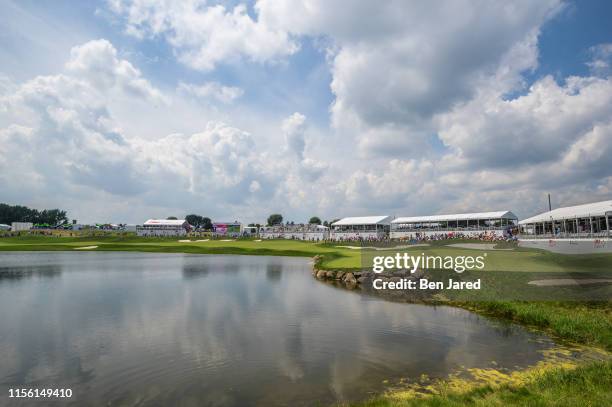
<point>122,110</point>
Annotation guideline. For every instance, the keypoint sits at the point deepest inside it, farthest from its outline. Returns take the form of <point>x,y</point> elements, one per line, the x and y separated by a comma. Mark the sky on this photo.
<point>124,110</point>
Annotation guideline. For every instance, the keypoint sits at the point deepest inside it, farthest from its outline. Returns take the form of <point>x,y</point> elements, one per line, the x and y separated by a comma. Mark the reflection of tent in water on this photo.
<point>274,272</point>
<point>195,271</point>
<point>16,273</point>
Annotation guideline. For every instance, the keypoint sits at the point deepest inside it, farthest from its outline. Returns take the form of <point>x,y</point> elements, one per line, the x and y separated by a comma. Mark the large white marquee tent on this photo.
<point>361,228</point>
<point>496,223</point>
<point>588,220</point>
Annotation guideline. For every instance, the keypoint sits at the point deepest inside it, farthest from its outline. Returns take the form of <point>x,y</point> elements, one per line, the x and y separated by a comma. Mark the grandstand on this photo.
<point>361,228</point>
<point>494,224</point>
<point>593,220</point>
<point>310,232</point>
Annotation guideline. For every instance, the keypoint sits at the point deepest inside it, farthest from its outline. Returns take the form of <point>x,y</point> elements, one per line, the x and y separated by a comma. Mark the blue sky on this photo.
<point>126,110</point>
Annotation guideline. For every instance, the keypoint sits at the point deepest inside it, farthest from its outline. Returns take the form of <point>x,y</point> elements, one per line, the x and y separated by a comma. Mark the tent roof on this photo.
<point>364,220</point>
<point>571,212</point>
<point>166,222</point>
<point>456,216</point>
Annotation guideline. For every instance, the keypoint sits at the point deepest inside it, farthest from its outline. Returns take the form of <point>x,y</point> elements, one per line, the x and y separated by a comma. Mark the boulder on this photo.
<point>349,278</point>
<point>340,274</point>
<point>321,274</point>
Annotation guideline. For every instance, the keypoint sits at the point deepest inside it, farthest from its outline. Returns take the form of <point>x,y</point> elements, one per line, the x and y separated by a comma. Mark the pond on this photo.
<point>169,329</point>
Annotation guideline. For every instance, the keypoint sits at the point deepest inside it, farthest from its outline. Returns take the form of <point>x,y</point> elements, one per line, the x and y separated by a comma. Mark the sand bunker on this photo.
<point>477,246</point>
<point>86,248</point>
<point>558,282</point>
<point>258,240</point>
<point>203,240</point>
<point>184,241</point>
<point>227,240</point>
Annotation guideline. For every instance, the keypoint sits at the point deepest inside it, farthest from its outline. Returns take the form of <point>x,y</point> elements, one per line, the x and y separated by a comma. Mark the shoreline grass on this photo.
<point>588,384</point>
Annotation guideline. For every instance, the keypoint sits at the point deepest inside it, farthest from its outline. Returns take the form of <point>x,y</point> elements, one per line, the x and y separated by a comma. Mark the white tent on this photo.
<point>364,220</point>
<point>456,216</point>
<point>596,209</point>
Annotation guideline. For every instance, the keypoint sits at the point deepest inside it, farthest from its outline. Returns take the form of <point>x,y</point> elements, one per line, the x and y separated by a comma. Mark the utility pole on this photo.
<point>549,206</point>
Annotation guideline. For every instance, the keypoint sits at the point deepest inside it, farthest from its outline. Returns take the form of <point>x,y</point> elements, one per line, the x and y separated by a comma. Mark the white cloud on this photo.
<point>398,64</point>
<point>205,35</point>
<point>536,127</point>
<point>601,64</point>
<point>63,140</point>
<point>211,91</point>
<point>97,62</point>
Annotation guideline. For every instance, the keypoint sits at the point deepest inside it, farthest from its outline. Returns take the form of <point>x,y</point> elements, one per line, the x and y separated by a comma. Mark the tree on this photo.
<point>325,223</point>
<point>275,219</point>
<point>315,220</point>
<point>194,220</point>
<point>206,223</point>
<point>198,221</point>
<point>18,213</point>
<point>171,218</point>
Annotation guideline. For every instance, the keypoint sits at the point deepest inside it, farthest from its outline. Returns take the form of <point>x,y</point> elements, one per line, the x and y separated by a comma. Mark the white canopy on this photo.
<point>166,222</point>
<point>572,212</point>
<point>456,216</point>
<point>364,220</point>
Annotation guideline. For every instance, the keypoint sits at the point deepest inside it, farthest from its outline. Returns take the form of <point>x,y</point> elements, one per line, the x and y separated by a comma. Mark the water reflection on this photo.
<point>274,271</point>
<point>191,271</point>
<point>16,273</point>
<point>131,328</point>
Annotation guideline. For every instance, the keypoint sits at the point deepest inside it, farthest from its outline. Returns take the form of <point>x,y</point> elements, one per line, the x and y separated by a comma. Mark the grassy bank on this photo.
<point>588,323</point>
<point>585,385</point>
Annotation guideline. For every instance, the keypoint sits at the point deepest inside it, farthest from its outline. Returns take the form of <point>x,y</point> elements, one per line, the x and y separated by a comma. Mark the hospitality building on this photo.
<point>578,229</point>
<point>164,227</point>
<point>499,224</point>
<point>580,221</point>
<point>309,232</point>
<point>361,228</point>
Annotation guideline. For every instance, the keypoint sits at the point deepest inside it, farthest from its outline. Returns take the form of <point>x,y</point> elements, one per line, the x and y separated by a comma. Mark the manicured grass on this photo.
<point>333,256</point>
<point>587,385</point>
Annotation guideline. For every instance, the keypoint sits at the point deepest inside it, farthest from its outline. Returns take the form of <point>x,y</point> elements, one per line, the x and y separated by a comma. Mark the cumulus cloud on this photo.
<point>536,127</point>
<point>400,63</point>
<point>205,35</point>
<point>63,139</point>
<point>97,63</point>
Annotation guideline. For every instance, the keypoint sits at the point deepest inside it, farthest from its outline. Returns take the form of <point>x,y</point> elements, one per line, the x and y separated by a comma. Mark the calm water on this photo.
<point>164,329</point>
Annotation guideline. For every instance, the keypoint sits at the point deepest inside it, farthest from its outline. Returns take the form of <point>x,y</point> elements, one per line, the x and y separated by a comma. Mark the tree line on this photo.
<point>18,213</point>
